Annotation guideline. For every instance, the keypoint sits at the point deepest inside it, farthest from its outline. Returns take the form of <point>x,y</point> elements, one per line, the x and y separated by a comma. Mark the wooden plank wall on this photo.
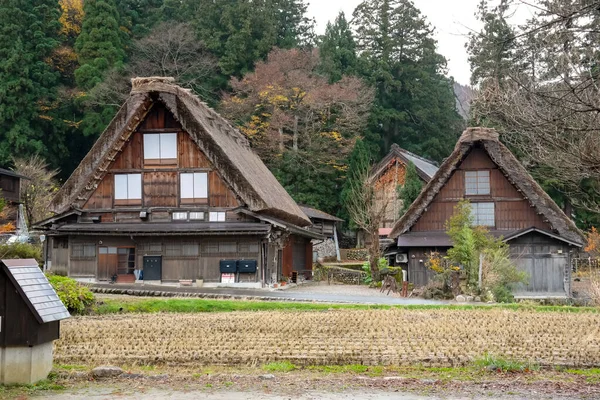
<point>512,210</point>
<point>206,264</point>
<point>160,189</point>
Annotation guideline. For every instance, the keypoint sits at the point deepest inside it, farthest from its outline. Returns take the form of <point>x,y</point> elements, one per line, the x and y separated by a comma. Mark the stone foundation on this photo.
<point>25,365</point>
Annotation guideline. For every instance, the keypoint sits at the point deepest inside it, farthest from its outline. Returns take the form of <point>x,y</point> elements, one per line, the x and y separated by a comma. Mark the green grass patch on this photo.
<point>141,305</point>
<point>592,375</point>
<point>493,363</point>
<point>15,391</point>
<point>339,369</point>
<point>282,366</point>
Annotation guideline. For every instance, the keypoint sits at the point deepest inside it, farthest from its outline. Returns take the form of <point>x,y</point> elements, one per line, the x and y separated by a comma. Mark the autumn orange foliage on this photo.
<point>8,227</point>
<point>593,243</point>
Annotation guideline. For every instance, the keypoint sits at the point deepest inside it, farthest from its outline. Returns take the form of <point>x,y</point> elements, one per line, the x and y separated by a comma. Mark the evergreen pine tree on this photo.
<point>99,47</point>
<point>28,37</point>
<point>490,51</point>
<point>411,188</point>
<point>242,32</point>
<point>337,50</point>
<point>414,104</point>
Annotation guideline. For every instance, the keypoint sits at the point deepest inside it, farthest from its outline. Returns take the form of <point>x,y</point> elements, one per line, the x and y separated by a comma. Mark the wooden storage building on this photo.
<point>10,191</point>
<point>506,200</point>
<point>168,191</point>
<point>30,314</point>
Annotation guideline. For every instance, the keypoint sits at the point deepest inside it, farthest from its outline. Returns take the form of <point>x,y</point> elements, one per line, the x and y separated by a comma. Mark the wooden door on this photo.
<point>108,262</point>
<point>546,273</point>
<point>418,272</point>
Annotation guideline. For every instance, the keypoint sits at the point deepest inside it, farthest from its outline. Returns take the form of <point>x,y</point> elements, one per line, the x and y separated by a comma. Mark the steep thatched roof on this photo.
<point>425,168</point>
<point>226,148</point>
<point>510,167</point>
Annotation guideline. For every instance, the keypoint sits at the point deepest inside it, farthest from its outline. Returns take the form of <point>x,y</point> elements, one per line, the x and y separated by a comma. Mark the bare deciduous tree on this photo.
<point>547,106</point>
<point>367,205</point>
<point>169,50</point>
<point>38,190</point>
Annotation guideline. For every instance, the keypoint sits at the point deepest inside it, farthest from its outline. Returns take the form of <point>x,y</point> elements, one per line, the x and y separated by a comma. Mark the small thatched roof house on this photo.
<point>167,192</point>
<point>505,199</point>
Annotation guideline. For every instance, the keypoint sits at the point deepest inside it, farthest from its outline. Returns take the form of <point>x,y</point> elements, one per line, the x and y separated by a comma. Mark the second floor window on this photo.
<point>194,187</point>
<point>477,182</point>
<point>128,188</point>
<point>160,148</point>
<point>483,214</point>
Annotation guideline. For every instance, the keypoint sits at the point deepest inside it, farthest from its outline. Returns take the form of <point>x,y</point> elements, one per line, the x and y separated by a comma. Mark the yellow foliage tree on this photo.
<point>71,18</point>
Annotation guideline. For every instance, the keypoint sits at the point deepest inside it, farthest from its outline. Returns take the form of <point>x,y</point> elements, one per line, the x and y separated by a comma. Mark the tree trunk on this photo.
<point>295,142</point>
<point>374,255</point>
<point>281,145</point>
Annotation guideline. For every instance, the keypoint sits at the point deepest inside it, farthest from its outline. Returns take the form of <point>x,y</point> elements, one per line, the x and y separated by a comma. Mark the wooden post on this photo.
<point>337,245</point>
<point>480,281</point>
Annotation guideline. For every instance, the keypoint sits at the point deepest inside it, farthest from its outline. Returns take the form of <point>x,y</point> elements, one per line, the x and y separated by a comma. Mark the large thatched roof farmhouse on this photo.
<point>171,191</point>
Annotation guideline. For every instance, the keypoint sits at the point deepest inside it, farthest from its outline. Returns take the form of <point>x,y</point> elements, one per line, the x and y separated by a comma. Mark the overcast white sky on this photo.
<point>452,20</point>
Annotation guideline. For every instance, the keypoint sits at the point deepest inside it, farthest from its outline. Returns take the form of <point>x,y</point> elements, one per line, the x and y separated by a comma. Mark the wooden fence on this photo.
<point>585,263</point>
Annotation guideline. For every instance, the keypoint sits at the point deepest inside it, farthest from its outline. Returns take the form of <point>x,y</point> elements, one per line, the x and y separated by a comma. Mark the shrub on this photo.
<point>499,364</point>
<point>499,273</point>
<point>21,250</point>
<point>75,296</point>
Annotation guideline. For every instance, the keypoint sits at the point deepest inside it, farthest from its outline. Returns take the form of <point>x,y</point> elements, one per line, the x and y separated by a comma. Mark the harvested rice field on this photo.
<point>440,337</point>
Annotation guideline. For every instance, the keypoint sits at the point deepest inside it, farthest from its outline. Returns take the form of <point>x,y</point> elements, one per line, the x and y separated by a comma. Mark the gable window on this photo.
<point>477,182</point>
<point>128,189</point>
<point>216,216</point>
<point>194,187</point>
<point>160,148</point>
<point>483,214</point>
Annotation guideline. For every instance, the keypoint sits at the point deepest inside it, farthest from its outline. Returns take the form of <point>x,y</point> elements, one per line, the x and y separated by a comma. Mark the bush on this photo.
<point>21,250</point>
<point>75,296</point>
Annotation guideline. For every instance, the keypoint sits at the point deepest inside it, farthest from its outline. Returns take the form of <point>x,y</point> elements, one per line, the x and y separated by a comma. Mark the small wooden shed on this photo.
<point>30,311</point>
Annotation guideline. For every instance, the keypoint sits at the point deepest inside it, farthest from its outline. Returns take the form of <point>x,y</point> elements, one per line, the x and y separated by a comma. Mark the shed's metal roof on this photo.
<point>35,289</point>
<point>421,163</point>
<point>317,214</point>
<point>8,172</point>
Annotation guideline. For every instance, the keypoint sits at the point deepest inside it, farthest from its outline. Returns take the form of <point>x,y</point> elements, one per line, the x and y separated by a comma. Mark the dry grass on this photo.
<point>370,337</point>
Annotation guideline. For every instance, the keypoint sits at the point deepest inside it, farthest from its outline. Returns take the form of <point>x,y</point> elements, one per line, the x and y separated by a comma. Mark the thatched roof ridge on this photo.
<point>425,168</point>
<point>512,169</point>
<point>225,146</point>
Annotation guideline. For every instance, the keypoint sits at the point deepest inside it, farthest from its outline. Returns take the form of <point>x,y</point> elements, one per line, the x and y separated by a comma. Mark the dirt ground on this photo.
<point>407,384</point>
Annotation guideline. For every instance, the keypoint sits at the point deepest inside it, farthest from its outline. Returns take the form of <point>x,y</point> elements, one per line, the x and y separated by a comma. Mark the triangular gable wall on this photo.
<point>160,188</point>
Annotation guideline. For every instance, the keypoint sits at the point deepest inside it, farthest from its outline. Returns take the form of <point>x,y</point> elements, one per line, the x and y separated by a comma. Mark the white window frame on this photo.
<point>160,148</point>
<point>193,187</point>
<point>477,183</point>
<point>179,216</point>
<point>132,189</point>
<point>480,217</point>
<point>197,216</point>
<point>217,216</point>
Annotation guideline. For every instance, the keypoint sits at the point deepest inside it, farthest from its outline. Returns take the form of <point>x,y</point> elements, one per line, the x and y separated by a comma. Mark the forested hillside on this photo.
<point>303,100</point>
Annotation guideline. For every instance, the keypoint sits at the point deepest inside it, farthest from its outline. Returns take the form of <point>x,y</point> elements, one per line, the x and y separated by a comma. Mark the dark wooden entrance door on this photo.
<point>152,268</point>
<point>108,262</point>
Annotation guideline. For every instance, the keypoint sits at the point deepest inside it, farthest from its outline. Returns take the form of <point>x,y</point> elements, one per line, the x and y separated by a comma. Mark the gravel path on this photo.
<point>321,291</point>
